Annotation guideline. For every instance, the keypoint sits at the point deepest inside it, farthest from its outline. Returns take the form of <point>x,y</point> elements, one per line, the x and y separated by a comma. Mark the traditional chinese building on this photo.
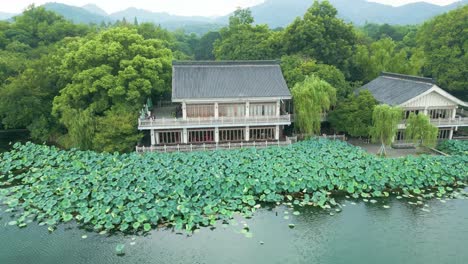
<point>216,102</point>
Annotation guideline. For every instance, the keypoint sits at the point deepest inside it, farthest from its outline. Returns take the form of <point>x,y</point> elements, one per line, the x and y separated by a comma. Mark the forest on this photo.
<point>82,86</point>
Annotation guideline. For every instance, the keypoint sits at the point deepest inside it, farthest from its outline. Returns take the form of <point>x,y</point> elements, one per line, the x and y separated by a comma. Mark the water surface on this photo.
<point>361,233</point>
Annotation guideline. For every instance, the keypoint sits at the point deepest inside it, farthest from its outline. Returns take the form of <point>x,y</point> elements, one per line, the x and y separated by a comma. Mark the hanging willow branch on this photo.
<point>420,130</point>
<point>312,98</point>
<point>385,121</point>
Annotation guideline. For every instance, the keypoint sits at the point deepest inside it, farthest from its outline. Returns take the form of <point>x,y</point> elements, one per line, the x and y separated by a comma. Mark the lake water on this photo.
<point>8,138</point>
<point>361,233</point>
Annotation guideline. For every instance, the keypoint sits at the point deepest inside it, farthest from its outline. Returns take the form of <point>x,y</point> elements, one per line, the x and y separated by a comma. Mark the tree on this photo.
<point>353,115</point>
<point>321,35</point>
<point>204,49</point>
<point>383,55</point>
<point>312,98</point>
<point>38,26</point>
<point>295,69</point>
<point>27,97</point>
<point>107,74</point>
<point>444,41</point>
<point>243,41</point>
<point>385,120</point>
<point>107,138</point>
<point>420,130</point>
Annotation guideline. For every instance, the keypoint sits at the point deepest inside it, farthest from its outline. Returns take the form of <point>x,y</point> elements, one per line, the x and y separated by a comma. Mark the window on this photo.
<point>201,136</point>
<point>231,110</point>
<point>169,137</point>
<point>262,133</point>
<point>438,113</point>
<point>407,113</point>
<point>268,109</point>
<point>200,110</point>
<point>231,134</point>
<point>444,134</point>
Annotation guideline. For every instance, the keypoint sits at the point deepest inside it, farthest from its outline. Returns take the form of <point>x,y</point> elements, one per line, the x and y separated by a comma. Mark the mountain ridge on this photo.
<point>274,13</point>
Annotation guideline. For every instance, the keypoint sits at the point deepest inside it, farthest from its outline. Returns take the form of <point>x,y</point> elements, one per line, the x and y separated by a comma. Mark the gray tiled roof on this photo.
<point>227,79</point>
<point>395,89</point>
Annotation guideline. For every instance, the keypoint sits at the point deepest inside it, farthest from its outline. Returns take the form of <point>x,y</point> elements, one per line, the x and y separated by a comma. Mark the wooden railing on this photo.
<point>211,121</point>
<point>444,122</point>
<point>218,146</point>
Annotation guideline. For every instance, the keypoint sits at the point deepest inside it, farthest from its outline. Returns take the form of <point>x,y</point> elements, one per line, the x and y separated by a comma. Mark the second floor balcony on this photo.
<point>443,122</point>
<point>200,122</point>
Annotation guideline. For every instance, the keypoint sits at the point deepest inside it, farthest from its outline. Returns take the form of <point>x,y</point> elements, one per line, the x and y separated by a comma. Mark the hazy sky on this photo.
<point>178,7</point>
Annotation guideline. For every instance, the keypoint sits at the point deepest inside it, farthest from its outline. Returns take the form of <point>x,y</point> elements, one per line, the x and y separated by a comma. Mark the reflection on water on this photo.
<point>9,137</point>
<point>361,233</point>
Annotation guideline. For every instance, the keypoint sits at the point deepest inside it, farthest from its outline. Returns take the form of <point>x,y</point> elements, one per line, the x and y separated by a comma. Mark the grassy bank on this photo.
<point>131,192</point>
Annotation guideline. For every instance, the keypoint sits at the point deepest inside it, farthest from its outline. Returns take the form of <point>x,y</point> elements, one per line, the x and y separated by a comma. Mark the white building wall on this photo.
<point>431,100</point>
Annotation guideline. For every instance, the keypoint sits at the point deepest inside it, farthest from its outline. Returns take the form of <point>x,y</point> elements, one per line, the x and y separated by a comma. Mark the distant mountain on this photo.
<point>279,13</point>
<point>157,17</point>
<point>6,16</point>
<point>76,14</point>
<point>95,9</point>
<point>275,13</point>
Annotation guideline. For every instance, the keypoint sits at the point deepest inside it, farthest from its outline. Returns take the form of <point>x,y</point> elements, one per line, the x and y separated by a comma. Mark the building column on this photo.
<point>247,133</point>
<point>247,109</point>
<point>278,108</point>
<point>454,113</point>
<point>184,110</point>
<point>277,132</point>
<point>451,133</point>
<point>153,137</point>
<point>157,138</point>
<point>216,111</point>
<point>425,110</point>
<point>216,134</point>
<point>184,136</point>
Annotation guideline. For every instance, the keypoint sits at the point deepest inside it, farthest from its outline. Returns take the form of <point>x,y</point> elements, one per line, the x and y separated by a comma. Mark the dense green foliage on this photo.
<point>312,98</point>
<point>322,36</point>
<point>353,115</point>
<point>454,147</point>
<point>444,41</point>
<point>242,40</point>
<point>296,68</point>
<point>420,130</point>
<point>109,75</point>
<point>384,55</point>
<point>132,192</point>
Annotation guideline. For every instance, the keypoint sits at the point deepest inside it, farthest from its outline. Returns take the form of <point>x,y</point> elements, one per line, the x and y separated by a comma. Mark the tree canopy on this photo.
<point>385,120</point>
<point>353,115</point>
<point>444,41</point>
<point>420,130</point>
<point>242,40</point>
<point>114,70</point>
<point>296,68</point>
<point>312,98</point>
<point>321,35</point>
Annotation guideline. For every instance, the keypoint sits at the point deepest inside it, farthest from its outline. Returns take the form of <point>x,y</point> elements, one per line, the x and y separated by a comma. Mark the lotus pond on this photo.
<point>134,193</point>
<point>363,232</point>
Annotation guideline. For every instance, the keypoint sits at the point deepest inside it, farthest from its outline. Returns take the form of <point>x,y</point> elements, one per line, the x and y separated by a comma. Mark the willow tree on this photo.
<point>420,130</point>
<point>312,98</point>
<point>385,120</point>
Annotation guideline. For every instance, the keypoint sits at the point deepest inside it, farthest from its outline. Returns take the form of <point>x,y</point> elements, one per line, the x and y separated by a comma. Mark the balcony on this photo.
<point>201,122</point>
<point>443,122</point>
